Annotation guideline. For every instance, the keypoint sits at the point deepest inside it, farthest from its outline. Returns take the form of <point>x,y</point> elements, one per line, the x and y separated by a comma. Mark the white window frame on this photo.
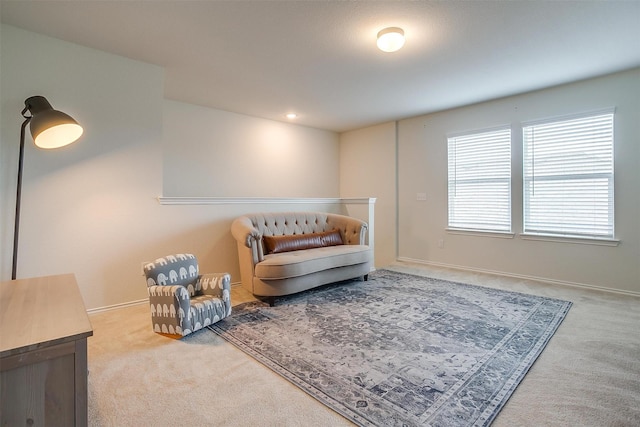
<point>560,170</point>
<point>479,181</point>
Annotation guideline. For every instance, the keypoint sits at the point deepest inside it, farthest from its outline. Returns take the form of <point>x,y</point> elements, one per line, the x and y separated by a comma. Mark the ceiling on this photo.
<point>319,58</point>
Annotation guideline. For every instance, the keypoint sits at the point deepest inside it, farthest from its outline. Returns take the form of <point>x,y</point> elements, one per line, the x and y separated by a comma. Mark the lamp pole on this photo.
<point>16,228</point>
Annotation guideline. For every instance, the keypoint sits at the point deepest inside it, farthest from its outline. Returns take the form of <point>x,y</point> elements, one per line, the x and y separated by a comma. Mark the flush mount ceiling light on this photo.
<point>292,116</point>
<point>390,39</point>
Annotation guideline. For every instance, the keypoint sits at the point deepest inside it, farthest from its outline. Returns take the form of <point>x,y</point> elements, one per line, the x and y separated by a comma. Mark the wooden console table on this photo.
<point>43,352</point>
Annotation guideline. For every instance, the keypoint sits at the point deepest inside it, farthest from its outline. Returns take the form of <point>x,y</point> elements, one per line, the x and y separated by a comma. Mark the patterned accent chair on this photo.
<point>182,301</point>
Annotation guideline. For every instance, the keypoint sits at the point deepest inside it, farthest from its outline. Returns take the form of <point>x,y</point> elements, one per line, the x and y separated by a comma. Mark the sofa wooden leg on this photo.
<point>366,277</point>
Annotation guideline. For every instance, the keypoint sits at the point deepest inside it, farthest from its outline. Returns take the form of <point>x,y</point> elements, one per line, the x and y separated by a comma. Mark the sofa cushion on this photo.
<point>296,242</point>
<point>307,261</point>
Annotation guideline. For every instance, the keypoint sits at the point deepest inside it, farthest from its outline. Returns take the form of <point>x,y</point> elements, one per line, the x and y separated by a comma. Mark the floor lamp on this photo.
<point>50,129</point>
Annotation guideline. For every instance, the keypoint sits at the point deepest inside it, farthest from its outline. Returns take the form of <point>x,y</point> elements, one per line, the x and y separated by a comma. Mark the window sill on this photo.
<point>570,239</point>
<point>481,233</point>
<point>536,237</point>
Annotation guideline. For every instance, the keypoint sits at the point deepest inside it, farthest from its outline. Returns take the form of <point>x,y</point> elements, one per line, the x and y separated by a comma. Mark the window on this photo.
<point>568,177</point>
<point>480,181</point>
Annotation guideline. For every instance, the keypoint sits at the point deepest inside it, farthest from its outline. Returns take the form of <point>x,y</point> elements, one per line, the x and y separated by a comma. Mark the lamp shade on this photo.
<point>390,39</point>
<point>51,128</point>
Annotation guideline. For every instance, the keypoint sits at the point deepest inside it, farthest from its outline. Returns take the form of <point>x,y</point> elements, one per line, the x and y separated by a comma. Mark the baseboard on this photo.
<point>131,303</point>
<point>117,306</point>
<point>432,264</point>
<point>520,276</point>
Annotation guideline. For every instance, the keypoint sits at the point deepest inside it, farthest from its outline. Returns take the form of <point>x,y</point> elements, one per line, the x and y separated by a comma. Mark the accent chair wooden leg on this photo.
<point>271,301</point>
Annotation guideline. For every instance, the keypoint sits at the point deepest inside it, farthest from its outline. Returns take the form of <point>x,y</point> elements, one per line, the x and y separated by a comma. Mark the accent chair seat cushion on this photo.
<point>206,310</point>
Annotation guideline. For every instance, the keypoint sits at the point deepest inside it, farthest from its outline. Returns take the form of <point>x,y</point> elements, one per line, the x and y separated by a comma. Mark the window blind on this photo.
<point>568,177</point>
<point>479,181</point>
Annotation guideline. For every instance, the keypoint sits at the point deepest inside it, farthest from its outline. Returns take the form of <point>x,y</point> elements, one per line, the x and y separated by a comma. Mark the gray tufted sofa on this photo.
<point>300,266</point>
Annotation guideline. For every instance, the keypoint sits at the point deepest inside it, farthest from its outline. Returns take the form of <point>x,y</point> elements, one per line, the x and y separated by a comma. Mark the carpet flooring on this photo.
<point>588,375</point>
<point>400,349</point>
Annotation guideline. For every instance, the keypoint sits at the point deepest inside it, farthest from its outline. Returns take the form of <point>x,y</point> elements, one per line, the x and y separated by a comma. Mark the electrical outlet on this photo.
<point>421,196</point>
<point>142,267</point>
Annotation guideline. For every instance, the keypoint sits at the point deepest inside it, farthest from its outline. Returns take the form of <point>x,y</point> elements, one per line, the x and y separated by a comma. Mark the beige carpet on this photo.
<point>588,375</point>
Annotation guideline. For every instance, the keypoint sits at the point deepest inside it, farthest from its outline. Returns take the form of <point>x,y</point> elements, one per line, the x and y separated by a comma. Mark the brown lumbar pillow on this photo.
<point>331,238</point>
<point>296,242</point>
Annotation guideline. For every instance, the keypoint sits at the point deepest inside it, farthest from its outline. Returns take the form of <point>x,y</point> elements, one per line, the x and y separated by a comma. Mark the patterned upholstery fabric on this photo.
<point>181,300</point>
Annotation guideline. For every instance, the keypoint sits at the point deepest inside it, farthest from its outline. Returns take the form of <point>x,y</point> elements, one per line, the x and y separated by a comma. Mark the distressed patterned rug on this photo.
<point>400,350</point>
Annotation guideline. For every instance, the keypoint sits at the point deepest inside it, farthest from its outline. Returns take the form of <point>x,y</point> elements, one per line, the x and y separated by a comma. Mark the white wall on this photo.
<point>367,168</point>
<point>91,208</point>
<point>216,153</point>
<point>87,206</point>
<point>422,168</point>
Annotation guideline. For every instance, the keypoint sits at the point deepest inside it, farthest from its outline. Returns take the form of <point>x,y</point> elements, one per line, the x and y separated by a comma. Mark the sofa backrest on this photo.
<point>288,223</point>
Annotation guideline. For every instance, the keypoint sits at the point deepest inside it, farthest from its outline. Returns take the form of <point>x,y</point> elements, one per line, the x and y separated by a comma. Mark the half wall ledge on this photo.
<point>367,216</point>
<point>169,200</point>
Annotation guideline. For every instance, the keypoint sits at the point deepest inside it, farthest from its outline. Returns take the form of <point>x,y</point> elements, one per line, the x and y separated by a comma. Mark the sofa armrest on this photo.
<point>217,285</point>
<point>169,301</point>
<point>353,230</point>
<point>248,236</point>
<point>244,232</point>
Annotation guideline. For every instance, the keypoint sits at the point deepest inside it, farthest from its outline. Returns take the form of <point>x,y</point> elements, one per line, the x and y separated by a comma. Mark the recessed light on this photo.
<point>292,116</point>
<point>390,39</point>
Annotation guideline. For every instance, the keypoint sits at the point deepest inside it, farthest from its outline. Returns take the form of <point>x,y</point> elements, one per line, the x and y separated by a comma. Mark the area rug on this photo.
<point>399,349</point>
